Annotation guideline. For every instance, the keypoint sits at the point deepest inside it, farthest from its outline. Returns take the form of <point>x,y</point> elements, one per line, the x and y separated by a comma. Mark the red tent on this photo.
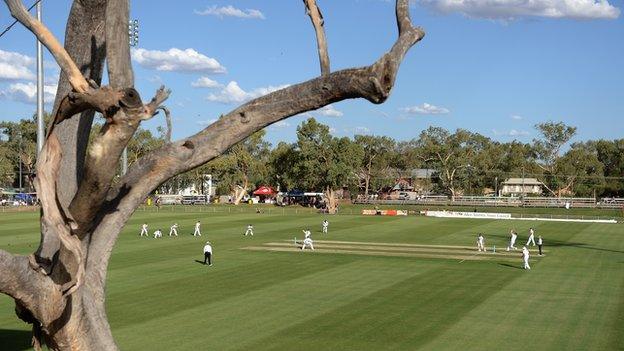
<point>264,190</point>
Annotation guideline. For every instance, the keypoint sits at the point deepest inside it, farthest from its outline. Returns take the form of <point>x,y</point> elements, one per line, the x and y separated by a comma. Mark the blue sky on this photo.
<point>496,67</point>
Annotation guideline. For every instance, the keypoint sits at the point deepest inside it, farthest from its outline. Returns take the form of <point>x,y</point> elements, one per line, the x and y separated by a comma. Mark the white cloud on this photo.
<point>178,60</point>
<point>281,124</point>
<point>361,130</point>
<point>230,11</point>
<point>425,109</point>
<point>233,93</point>
<point>511,133</point>
<point>516,117</point>
<point>512,9</point>
<point>15,66</point>
<point>27,93</point>
<point>205,82</point>
<point>329,111</point>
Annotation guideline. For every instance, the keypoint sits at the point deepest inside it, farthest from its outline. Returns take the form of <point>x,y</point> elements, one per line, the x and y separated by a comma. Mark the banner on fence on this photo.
<point>384,212</point>
<point>455,214</point>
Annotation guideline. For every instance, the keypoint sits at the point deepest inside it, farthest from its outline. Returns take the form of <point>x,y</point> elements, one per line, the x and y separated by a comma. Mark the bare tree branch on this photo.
<point>372,83</point>
<point>85,43</point>
<point>123,115</point>
<point>168,121</point>
<point>19,12</point>
<point>10,279</point>
<point>53,219</point>
<point>27,287</point>
<point>316,17</point>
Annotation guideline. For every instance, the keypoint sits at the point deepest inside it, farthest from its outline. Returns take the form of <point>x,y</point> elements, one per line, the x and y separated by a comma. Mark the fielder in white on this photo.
<point>525,257</point>
<point>325,226</point>
<point>173,230</point>
<point>531,237</point>
<point>481,243</point>
<point>249,230</point>
<point>144,230</point>
<point>306,233</point>
<point>512,240</point>
<point>307,242</point>
<point>157,234</point>
<point>197,231</point>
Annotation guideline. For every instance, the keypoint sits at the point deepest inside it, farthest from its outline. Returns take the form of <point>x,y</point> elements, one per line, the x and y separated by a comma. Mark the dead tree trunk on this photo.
<point>331,201</point>
<point>60,288</point>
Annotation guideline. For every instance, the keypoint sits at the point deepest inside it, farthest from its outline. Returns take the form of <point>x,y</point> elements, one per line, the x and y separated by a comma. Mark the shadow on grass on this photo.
<point>580,246</point>
<point>509,265</point>
<point>15,340</point>
<point>200,262</point>
<point>556,243</point>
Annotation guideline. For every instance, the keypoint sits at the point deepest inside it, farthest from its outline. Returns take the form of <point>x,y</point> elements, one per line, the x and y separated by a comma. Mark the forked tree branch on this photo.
<point>10,278</point>
<point>54,220</point>
<point>316,17</point>
<point>168,121</point>
<point>373,83</point>
<point>123,116</point>
<point>19,12</point>
<point>55,224</point>
<point>26,286</point>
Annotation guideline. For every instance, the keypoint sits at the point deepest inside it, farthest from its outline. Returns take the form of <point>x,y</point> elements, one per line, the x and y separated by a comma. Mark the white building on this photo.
<point>206,188</point>
<point>521,186</point>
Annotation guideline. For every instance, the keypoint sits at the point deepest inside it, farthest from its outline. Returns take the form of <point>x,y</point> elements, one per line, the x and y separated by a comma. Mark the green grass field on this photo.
<point>433,294</point>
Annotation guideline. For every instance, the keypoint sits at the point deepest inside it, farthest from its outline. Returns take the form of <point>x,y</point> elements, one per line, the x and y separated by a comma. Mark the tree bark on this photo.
<point>60,288</point>
<point>332,202</point>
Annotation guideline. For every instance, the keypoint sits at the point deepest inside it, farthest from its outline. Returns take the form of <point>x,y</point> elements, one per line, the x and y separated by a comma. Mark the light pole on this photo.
<point>40,127</point>
<point>19,156</point>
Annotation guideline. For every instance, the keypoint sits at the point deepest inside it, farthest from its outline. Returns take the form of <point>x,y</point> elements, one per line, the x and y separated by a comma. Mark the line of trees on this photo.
<point>463,162</point>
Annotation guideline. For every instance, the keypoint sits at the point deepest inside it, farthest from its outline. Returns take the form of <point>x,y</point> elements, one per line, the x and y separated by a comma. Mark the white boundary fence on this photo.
<point>491,215</point>
<point>491,201</point>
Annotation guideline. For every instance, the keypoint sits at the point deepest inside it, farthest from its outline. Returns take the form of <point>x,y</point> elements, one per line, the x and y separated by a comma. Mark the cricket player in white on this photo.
<point>144,230</point>
<point>249,230</point>
<point>531,237</point>
<point>306,233</point>
<point>525,257</point>
<point>307,242</point>
<point>481,243</point>
<point>512,240</point>
<point>325,225</point>
<point>197,231</point>
<point>173,230</point>
<point>208,253</point>
<point>157,234</point>
<point>539,244</point>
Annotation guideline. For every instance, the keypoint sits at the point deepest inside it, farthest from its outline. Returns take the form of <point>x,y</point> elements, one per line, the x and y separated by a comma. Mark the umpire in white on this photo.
<point>208,253</point>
